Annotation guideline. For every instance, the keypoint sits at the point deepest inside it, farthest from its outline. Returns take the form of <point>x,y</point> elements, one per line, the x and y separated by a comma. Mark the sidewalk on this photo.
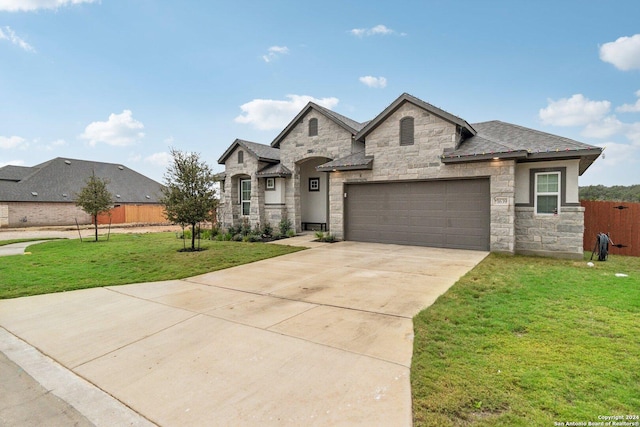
<point>38,391</point>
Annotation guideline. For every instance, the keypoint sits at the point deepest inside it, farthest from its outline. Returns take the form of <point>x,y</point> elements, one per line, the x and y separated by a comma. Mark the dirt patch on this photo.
<point>69,232</point>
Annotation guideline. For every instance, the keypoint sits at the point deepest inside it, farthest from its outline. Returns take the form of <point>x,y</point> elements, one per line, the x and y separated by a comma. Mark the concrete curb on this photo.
<point>97,406</point>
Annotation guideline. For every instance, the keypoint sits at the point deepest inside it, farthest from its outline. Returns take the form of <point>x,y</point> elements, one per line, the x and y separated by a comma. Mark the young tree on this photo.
<point>95,199</point>
<point>188,194</point>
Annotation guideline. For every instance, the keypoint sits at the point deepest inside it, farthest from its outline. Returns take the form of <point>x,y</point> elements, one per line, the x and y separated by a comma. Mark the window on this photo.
<point>406,131</point>
<point>240,157</point>
<point>245,196</point>
<point>314,184</point>
<point>547,200</point>
<point>313,127</point>
<point>271,184</point>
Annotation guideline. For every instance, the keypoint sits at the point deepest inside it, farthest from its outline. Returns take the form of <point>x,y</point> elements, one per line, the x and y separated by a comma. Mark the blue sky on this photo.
<point>122,81</point>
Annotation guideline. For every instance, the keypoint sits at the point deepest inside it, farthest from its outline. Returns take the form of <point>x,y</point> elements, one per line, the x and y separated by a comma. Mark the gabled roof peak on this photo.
<point>344,122</point>
<point>401,100</point>
<point>262,152</point>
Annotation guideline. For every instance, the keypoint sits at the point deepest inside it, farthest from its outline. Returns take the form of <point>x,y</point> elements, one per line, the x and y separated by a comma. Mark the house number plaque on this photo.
<point>501,201</point>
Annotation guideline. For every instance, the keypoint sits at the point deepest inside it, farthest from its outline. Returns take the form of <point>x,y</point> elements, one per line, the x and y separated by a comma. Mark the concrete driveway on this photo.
<point>319,337</point>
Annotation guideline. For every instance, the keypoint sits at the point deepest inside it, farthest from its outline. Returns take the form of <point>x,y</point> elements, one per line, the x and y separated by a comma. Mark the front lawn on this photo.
<point>64,265</point>
<point>524,341</point>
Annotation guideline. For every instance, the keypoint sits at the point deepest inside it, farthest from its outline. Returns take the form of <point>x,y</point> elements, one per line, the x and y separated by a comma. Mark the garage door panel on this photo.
<point>452,214</point>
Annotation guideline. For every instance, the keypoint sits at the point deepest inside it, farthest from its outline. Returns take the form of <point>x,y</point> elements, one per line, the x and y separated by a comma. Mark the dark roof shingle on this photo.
<point>496,139</point>
<point>60,179</point>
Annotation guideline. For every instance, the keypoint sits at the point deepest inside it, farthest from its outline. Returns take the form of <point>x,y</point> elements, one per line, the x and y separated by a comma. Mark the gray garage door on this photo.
<point>443,214</point>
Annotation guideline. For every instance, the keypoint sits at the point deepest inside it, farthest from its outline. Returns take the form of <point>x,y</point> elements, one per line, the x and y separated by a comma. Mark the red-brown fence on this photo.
<point>129,214</point>
<point>620,219</point>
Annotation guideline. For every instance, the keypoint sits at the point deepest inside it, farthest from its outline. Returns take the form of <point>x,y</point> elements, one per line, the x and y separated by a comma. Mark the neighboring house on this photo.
<point>415,175</point>
<point>45,194</point>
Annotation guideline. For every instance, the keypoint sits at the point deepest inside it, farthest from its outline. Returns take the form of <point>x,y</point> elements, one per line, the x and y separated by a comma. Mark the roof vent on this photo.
<point>121,167</point>
<point>118,196</point>
<point>148,197</point>
<point>67,162</point>
<point>64,194</point>
<point>34,193</point>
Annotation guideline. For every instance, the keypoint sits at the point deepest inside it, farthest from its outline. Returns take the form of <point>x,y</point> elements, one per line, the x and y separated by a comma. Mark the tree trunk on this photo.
<point>193,236</point>
<point>95,222</point>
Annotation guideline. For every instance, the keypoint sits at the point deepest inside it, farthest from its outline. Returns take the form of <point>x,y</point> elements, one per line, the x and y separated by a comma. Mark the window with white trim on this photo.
<point>245,196</point>
<point>547,197</point>
<point>271,184</point>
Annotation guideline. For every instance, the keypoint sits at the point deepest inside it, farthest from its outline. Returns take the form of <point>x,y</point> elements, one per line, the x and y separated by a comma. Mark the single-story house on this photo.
<point>414,175</point>
<point>44,194</point>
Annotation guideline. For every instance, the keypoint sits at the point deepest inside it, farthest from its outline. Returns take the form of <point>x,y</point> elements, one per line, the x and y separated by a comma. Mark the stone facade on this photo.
<point>230,209</point>
<point>550,235</point>
<point>513,228</point>
<point>332,142</point>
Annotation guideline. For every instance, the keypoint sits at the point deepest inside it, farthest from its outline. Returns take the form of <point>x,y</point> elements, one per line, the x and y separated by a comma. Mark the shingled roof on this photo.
<point>500,140</point>
<point>264,153</point>
<point>356,161</point>
<point>60,179</point>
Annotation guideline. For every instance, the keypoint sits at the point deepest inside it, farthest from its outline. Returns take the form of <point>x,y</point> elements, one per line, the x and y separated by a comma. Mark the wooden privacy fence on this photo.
<point>620,219</point>
<point>130,214</point>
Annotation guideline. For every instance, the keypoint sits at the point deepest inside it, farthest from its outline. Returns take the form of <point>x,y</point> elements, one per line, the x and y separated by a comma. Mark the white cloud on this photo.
<point>630,108</point>
<point>119,130</point>
<point>574,111</point>
<point>274,52</point>
<point>615,154</point>
<point>7,142</point>
<point>268,114</point>
<point>632,133</point>
<point>31,5</point>
<point>55,144</point>
<point>371,81</point>
<point>623,53</point>
<point>8,34</point>
<point>605,128</point>
<point>159,159</point>
<point>373,31</point>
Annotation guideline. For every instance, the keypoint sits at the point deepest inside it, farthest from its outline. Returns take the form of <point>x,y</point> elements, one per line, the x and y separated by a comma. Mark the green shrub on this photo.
<point>267,230</point>
<point>237,237</point>
<point>245,228</point>
<point>284,226</point>
<point>254,238</point>
<point>291,233</point>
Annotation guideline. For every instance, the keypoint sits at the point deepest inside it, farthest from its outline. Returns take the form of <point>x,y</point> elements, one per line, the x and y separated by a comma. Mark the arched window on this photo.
<point>313,127</point>
<point>406,131</point>
<point>240,157</point>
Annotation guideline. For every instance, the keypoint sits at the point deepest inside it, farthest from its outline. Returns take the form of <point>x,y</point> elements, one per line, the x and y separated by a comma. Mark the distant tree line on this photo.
<point>616,193</point>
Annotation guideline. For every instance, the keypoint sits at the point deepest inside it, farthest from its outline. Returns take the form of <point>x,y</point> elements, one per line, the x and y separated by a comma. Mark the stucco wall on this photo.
<point>314,204</point>
<point>523,179</point>
<point>276,196</point>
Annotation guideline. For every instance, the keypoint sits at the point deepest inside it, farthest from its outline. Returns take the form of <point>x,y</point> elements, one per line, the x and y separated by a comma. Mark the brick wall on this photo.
<point>30,214</point>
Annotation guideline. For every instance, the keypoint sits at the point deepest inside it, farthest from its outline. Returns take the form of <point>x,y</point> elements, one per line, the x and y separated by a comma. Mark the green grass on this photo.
<point>524,341</point>
<point>64,265</point>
